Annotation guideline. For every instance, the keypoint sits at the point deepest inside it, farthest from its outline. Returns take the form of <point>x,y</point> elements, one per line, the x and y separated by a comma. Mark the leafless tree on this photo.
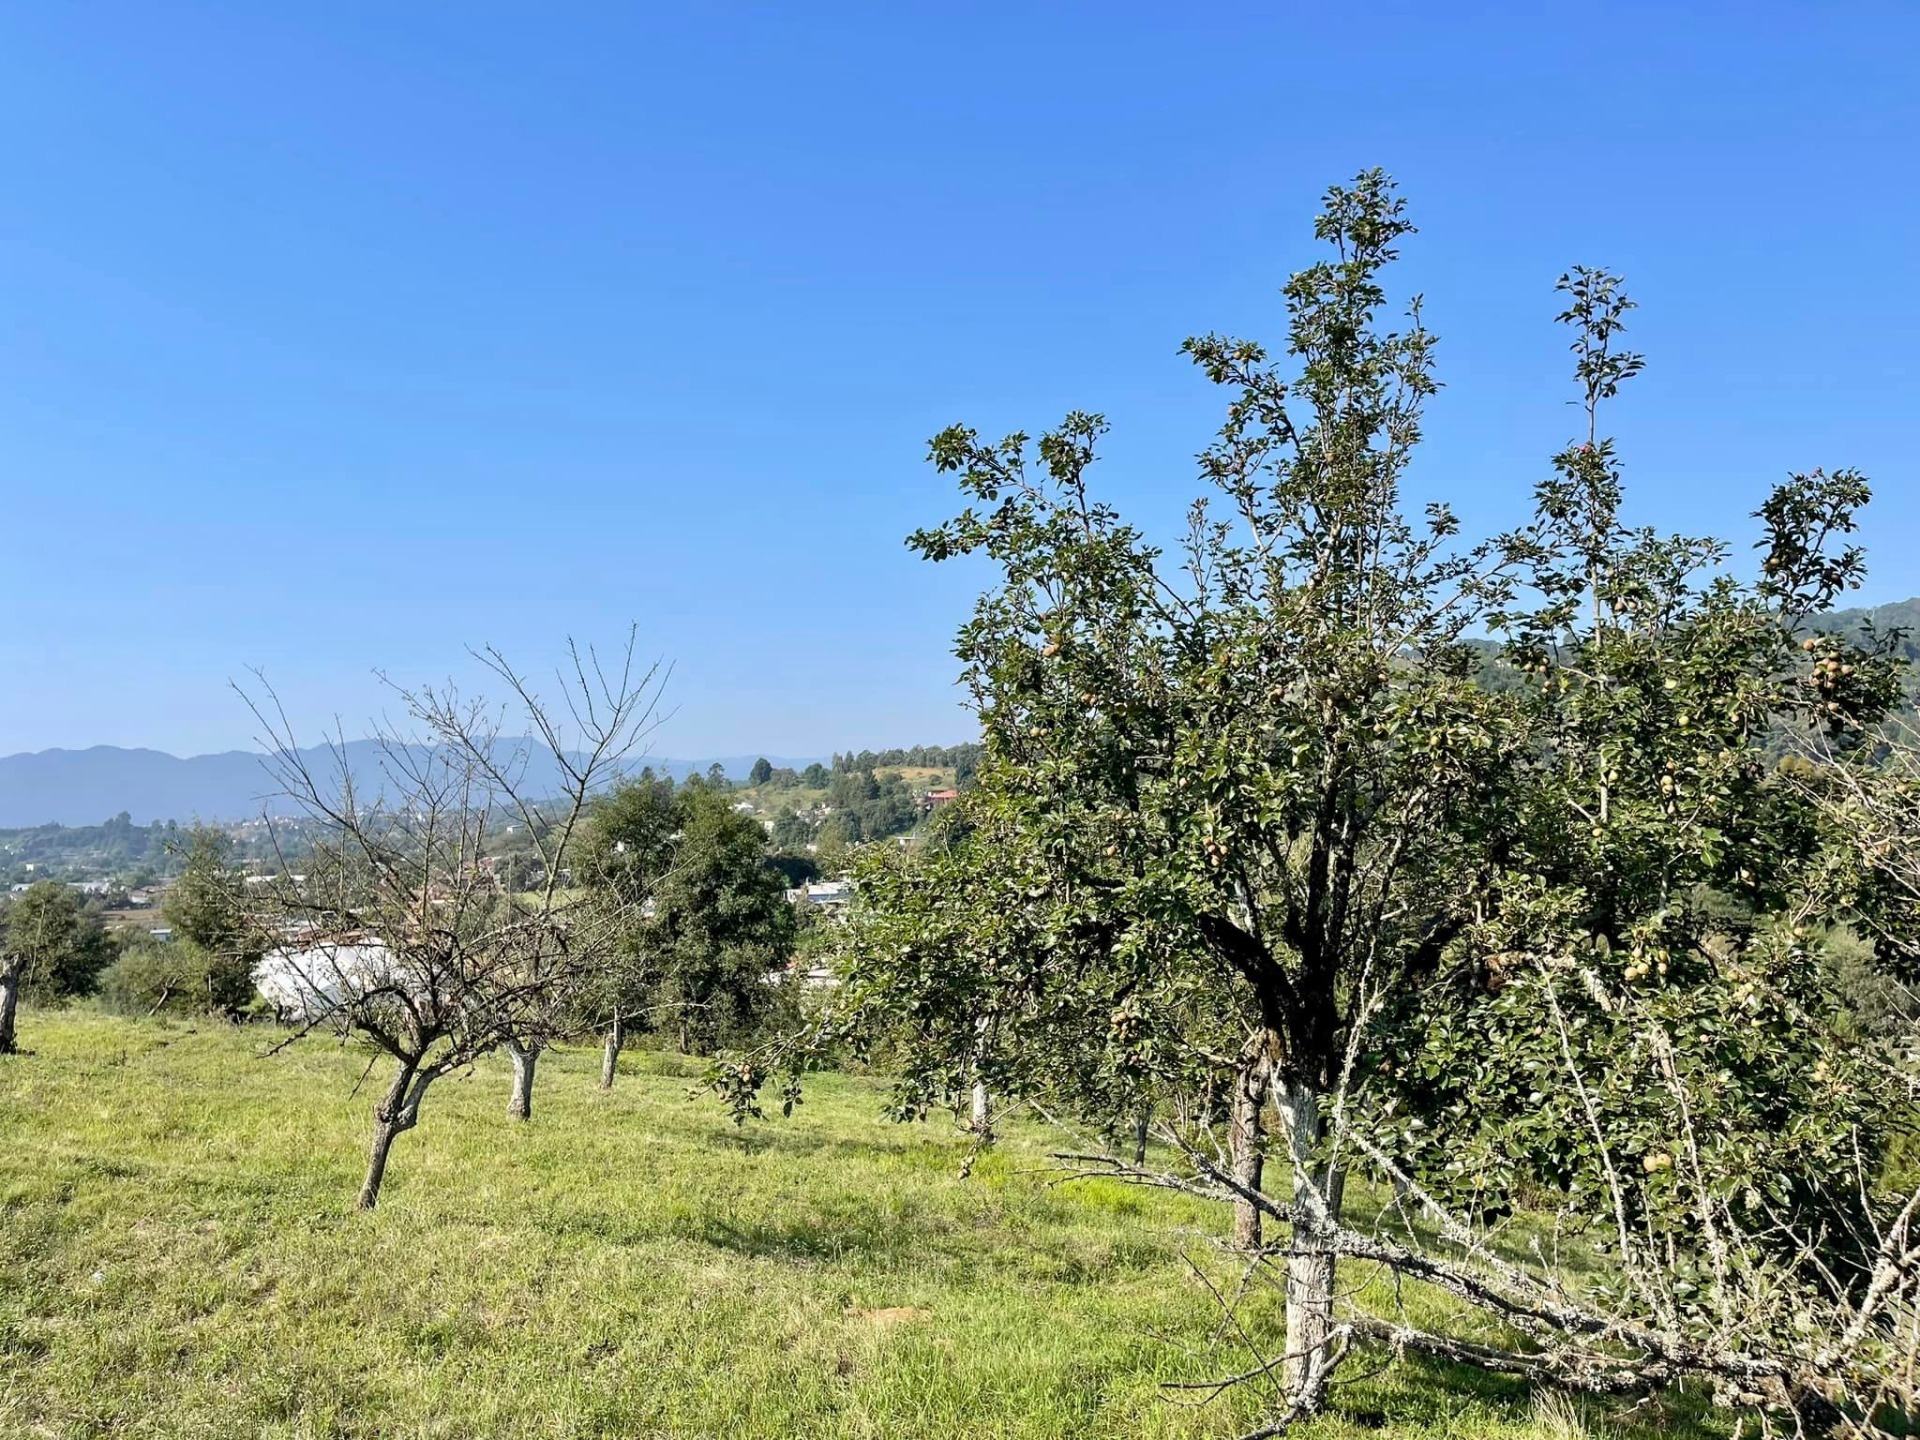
<point>402,932</point>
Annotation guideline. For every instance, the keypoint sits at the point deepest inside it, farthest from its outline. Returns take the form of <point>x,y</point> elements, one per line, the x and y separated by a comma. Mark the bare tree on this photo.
<point>404,934</point>
<point>605,730</point>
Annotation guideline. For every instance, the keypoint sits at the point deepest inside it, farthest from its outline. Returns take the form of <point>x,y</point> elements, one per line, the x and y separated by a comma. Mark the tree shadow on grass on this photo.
<point>809,1239</point>
<point>913,1149</point>
<point>1420,1391</point>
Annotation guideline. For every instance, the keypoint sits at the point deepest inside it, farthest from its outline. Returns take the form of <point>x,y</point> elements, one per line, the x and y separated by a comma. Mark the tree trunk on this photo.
<point>1246,1139</point>
<point>399,1111</point>
<point>1140,1128</point>
<point>9,1003</point>
<point>384,1133</point>
<point>525,1058</point>
<point>1317,1195</point>
<point>982,1116</point>
<point>610,1054</point>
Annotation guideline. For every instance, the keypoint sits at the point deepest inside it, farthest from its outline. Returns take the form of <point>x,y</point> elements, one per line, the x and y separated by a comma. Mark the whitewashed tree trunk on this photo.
<point>525,1059</point>
<point>982,1101</point>
<point>610,1053</point>
<point>1317,1196</point>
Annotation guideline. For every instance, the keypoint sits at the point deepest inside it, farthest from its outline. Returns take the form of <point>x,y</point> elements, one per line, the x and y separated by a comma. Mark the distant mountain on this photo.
<point>1902,615</point>
<point>84,787</point>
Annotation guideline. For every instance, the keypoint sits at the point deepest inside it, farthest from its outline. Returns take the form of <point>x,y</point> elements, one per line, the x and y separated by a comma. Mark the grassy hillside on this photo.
<point>177,1258</point>
<point>773,797</point>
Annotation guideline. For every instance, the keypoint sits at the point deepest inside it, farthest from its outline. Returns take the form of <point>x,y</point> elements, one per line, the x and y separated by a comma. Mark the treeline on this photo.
<point>134,855</point>
<point>963,759</point>
<point>872,805</point>
<point>139,853</point>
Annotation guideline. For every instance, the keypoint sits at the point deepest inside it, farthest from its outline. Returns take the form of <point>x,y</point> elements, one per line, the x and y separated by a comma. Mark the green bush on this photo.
<point>179,977</point>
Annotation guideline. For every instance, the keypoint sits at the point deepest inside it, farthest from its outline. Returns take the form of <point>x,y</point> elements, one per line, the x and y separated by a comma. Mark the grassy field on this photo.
<point>178,1258</point>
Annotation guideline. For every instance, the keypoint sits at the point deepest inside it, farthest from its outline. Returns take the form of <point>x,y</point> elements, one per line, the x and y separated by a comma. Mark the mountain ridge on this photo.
<point>83,786</point>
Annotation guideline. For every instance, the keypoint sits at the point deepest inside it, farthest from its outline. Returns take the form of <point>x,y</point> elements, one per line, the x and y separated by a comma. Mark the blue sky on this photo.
<point>340,336</point>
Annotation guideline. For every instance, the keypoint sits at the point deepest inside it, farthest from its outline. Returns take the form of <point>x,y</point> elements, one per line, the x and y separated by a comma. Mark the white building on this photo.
<point>304,982</point>
<point>829,894</point>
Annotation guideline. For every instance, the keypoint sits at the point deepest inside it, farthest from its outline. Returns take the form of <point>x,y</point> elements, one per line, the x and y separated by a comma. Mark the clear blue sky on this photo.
<point>340,336</point>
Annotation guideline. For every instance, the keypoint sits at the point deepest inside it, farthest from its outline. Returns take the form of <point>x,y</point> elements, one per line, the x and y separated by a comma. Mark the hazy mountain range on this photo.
<point>84,787</point>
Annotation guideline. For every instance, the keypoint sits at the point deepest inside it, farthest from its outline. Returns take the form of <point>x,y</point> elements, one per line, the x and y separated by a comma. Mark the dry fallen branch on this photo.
<point>1818,1352</point>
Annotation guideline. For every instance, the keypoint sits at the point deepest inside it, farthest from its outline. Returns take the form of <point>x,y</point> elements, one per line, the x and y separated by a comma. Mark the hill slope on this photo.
<point>180,1258</point>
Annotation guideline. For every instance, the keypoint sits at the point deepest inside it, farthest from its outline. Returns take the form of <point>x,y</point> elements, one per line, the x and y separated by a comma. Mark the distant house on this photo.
<point>934,799</point>
<point>825,894</point>
<point>162,933</point>
<point>819,976</point>
<point>139,899</point>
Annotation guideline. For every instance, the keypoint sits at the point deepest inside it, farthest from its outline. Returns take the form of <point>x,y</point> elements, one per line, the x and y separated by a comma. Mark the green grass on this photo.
<point>178,1257</point>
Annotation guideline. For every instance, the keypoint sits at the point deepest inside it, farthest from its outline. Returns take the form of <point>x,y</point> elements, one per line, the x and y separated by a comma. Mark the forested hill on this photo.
<point>1903,615</point>
<point>80,787</point>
